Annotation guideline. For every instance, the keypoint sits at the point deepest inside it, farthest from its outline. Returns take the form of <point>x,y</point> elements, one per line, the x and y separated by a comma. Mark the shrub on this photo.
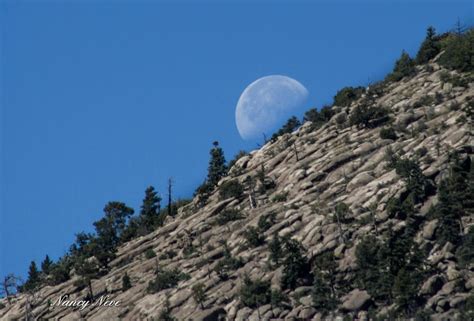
<point>364,116</point>
<point>341,119</point>
<point>253,236</point>
<point>166,279</point>
<point>347,95</point>
<point>342,213</point>
<point>230,189</point>
<point>281,197</point>
<point>126,283</point>
<point>421,152</point>
<point>388,133</point>
<point>199,294</point>
<point>319,118</point>
<point>458,52</point>
<point>228,215</point>
<point>188,249</point>
<point>255,293</point>
<point>424,101</point>
<point>455,80</point>
<point>227,264</point>
<point>467,309</point>
<point>165,314</point>
<point>203,192</point>
<point>149,254</point>
<point>278,298</point>
<point>376,89</point>
<point>237,156</point>
<point>404,67</point>
<point>291,125</point>
<point>266,221</point>
<point>167,255</point>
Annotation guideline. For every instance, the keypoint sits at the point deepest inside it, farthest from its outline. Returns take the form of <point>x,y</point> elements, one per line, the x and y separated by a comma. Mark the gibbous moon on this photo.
<point>266,104</point>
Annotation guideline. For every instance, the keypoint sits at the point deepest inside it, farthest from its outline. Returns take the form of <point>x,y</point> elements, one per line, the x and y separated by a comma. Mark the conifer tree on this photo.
<point>456,194</point>
<point>217,165</point>
<point>276,250</point>
<point>429,48</point>
<point>295,265</point>
<point>46,265</point>
<point>324,284</point>
<point>87,269</point>
<point>150,209</point>
<point>33,278</point>
<point>404,66</point>
<point>109,231</point>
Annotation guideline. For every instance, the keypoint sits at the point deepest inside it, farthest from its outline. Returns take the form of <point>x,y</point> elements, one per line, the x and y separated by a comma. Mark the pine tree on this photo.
<point>324,284</point>
<point>291,125</point>
<point>165,314</point>
<point>456,194</point>
<point>46,265</point>
<point>295,265</point>
<point>33,278</point>
<point>404,67</point>
<point>87,269</point>
<point>150,209</point>
<point>109,231</point>
<point>429,48</point>
<point>276,250</point>
<point>323,299</point>
<point>217,165</point>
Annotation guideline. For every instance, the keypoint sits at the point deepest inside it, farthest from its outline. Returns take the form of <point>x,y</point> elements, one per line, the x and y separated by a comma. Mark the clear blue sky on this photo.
<point>100,100</point>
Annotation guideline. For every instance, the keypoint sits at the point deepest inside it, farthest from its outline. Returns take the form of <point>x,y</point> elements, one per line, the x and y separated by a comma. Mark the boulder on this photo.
<point>452,273</point>
<point>356,300</point>
<point>361,179</point>
<point>429,229</point>
<point>307,313</point>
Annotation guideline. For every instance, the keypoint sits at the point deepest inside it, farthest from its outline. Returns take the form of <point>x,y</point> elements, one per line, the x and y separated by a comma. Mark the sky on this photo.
<point>100,99</point>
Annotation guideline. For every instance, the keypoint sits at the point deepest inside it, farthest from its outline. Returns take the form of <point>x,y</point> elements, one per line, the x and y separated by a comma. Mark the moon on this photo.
<point>266,104</point>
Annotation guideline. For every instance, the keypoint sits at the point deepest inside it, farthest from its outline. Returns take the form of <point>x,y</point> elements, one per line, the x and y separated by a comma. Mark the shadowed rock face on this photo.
<point>334,164</point>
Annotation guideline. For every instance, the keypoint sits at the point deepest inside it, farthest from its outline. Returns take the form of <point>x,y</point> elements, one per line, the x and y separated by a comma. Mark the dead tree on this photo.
<point>10,286</point>
<point>296,152</point>
<point>251,187</point>
<point>372,210</point>
<point>170,185</point>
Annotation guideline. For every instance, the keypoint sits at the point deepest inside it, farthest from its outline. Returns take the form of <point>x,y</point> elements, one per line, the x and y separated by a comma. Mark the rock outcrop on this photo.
<point>312,171</point>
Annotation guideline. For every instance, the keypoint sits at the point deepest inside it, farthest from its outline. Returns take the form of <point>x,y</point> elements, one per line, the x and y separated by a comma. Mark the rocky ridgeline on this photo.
<point>312,171</point>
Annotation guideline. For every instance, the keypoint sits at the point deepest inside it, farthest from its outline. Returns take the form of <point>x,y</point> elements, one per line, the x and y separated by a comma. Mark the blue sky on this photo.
<point>101,99</point>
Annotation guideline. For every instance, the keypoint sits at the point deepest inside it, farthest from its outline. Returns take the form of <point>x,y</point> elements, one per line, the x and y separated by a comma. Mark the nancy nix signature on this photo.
<point>104,301</point>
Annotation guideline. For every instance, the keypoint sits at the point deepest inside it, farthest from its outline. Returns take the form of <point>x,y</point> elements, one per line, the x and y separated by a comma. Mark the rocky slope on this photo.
<point>313,170</point>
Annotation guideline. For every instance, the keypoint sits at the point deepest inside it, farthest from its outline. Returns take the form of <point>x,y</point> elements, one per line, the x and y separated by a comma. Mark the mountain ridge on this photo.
<point>294,186</point>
